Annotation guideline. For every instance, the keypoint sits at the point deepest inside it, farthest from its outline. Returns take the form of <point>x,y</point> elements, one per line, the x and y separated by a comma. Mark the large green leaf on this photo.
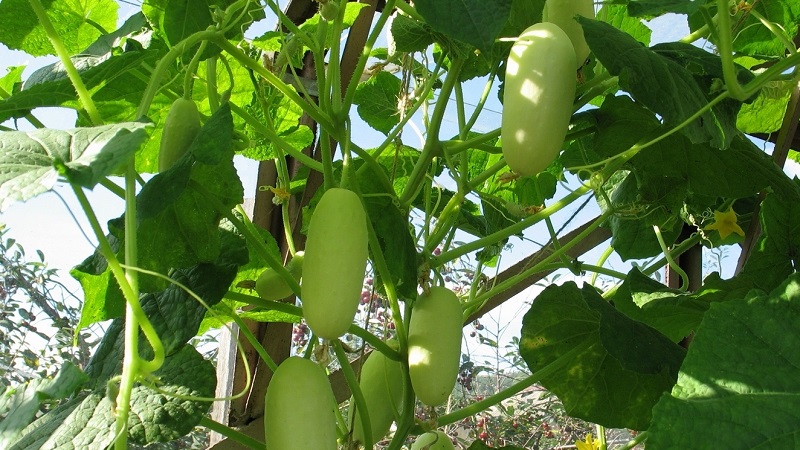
<point>475,22</point>
<point>673,313</point>
<point>87,421</point>
<point>113,78</point>
<point>31,162</point>
<point>76,24</point>
<point>660,83</point>
<point>19,405</point>
<point>739,385</point>
<point>658,7</point>
<point>622,368</point>
<point>378,101</point>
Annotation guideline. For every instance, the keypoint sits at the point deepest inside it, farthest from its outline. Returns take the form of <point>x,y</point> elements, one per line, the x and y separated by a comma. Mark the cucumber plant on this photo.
<point>400,162</point>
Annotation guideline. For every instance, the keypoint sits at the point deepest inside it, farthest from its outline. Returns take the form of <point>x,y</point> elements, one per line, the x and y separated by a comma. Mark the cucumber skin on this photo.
<point>562,13</point>
<point>434,345</point>
<point>181,127</point>
<point>299,408</point>
<point>537,100</point>
<point>443,443</point>
<point>334,264</point>
<point>382,386</point>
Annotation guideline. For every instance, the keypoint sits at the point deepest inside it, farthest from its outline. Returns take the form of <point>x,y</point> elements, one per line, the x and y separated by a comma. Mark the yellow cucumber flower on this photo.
<point>725,223</point>
<point>588,444</point>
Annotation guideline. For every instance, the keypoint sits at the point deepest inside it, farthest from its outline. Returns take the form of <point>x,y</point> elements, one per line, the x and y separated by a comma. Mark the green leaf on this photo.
<point>751,37</point>
<point>75,23</point>
<point>475,22</point>
<point>777,252</point>
<point>165,416</point>
<point>738,387</point>
<point>523,14</point>
<point>19,405</point>
<point>103,298</point>
<point>377,100</point>
<point>284,116</point>
<point>410,35</point>
<point>659,83</point>
<point>31,162</point>
<point>669,311</point>
<point>480,445</point>
<point>395,235</point>
<point>114,79</point>
<point>638,8</point>
<point>765,114</point>
<point>12,80</point>
<point>617,15</point>
<point>637,211</point>
<point>88,420</point>
<point>620,369</point>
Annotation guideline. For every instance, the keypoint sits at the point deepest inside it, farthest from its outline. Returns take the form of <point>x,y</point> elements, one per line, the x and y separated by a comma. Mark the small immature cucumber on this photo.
<point>334,263</point>
<point>434,345</point>
<point>537,101</point>
<point>562,13</point>
<point>382,386</point>
<point>433,440</point>
<point>299,408</point>
<point>180,128</point>
<point>271,286</point>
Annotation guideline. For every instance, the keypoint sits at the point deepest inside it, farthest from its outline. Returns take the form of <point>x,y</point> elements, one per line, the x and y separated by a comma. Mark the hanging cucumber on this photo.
<point>334,263</point>
<point>537,100</point>
<point>562,13</point>
<point>434,345</point>
<point>180,128</point>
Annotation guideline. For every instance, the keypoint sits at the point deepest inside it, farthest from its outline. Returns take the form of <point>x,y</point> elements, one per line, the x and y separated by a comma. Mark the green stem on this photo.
<point>635,441</point>
<point>725,50</point>
<point>377,30</point>
<point>479,179</point>
<point>672,263</point>
<point>309,108</point>
<point>453,147</point>
<point>296,311</point>
<point>355,388</point>
<point>262,352</point>
<point>433,144</point>
<point>211,83</point>
<point>135,318</point>
<point>230,433</point>
<point>777,32</point>
<point>64,56</point>
<point>511,230</point>
<point>276,140</point>
<point>188,77</point>
<point>539,266</point>
<point>250,233</point>
<point>514,389</point>
<point>601,261</point>
<point>676,251</point>
<point>164,65</point>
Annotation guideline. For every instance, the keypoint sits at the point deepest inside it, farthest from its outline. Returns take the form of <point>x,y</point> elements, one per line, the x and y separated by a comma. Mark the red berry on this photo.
<point>483,435</point>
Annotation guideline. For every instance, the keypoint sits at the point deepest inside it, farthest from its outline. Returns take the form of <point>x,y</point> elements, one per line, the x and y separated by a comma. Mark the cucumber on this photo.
<point>562,13</point>
<point>537,100</point>
<point>434,345</point>
<point>299,408</point>
<point>382,385</point>
<point>180,128</point>
<point>433,440</point>
<point>271,286</point>
<point>334,263</point>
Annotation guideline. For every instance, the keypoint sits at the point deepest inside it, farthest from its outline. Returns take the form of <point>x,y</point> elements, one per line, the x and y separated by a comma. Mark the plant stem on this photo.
<point>355,388</point>
<point>432,144</point>
<point>514,389</point>
<point>315,113</point>
<point>64,56</point>
<point>276,140</point>
<point>230,433</point>
<point>511,230</point>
